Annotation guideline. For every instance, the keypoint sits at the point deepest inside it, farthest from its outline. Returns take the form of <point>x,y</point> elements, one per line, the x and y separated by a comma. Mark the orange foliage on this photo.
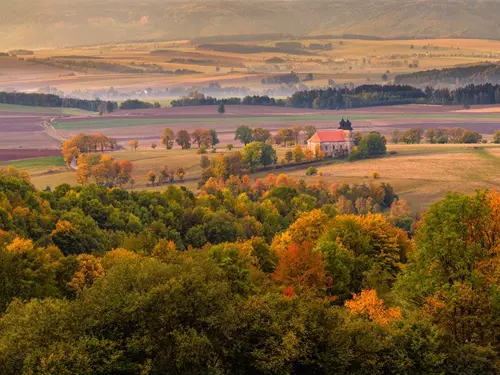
<point>368,304</point>
<point>302,268</point>
<point>89,269</point>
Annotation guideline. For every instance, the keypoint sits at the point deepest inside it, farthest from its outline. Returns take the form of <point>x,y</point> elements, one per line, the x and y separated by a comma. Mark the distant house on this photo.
<point>335,143</point>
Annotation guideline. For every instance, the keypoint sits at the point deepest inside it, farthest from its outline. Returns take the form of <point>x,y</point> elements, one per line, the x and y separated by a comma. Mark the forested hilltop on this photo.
<point>456,76</point>
<point>271,276</point>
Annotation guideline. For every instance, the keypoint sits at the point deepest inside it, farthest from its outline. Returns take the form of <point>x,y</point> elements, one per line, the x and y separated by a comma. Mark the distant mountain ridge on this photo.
<point>49,23</point>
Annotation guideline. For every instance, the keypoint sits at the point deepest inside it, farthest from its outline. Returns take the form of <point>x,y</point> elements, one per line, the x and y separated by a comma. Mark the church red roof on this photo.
<point>328,136</point>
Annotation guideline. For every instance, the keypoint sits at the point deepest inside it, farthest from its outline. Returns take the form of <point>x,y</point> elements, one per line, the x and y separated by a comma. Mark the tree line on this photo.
<point>364,96</point>
<point>50,100</point>
<point>439,135</point>
<point>265,277</point>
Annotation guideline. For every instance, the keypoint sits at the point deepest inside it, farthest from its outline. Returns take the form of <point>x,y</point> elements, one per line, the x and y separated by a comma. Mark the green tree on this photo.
<point>496,137</point>
<point>243,134</point>
<point>221,109</point>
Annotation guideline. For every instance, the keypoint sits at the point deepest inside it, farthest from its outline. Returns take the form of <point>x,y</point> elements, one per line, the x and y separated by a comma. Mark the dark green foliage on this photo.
<point>135,104</point>
<point>371,145</point>
<point>50,100</point>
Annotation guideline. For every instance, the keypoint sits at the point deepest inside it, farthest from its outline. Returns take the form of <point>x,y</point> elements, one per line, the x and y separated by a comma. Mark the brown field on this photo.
<point>356,61</point>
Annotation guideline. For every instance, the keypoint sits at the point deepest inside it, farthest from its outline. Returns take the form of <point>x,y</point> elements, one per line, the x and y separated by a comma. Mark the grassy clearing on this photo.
<point>36,163</point>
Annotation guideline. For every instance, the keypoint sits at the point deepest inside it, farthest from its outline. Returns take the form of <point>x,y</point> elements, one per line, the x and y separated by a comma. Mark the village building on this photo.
<point>334,143</point>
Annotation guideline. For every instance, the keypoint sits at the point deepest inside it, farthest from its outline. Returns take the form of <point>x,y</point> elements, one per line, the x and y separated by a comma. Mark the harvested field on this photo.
<point>19,153</point>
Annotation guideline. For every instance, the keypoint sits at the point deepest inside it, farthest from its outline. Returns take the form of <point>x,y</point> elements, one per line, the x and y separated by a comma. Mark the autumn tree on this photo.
<point>181,173</point>
<point>285,136</point>
<point>302,268</point>
<point>183,139</point>
<point>310,131</point>
<point>298,153</point>
<point>296,130</point>
<point>368,304</point>
<point>133,145</point>
<point>151,177</point>
<point>202,137</point>
<point>168,138</point>
<point>260,135</point>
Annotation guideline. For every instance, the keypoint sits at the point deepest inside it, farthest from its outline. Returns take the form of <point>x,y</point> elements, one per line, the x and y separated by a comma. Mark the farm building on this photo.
<point>335,143</point>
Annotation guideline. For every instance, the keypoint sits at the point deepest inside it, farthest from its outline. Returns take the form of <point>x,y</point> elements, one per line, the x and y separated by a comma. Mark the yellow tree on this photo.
<point>151,177</point>
<point>168,138</point>
<point>89,269</point>
<point>368,304</point>
<point>133,145</point>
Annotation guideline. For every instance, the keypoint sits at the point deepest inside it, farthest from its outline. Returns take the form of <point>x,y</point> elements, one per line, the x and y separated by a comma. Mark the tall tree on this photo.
<point>183,139</point>
<point>168,138</point>
<point>243,134</point>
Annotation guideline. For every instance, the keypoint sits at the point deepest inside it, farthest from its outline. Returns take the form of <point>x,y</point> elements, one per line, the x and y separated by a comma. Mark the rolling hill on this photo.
<point>52,23</point>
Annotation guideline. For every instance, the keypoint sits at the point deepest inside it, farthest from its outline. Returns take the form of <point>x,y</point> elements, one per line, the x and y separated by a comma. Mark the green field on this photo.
<point>123,122</point>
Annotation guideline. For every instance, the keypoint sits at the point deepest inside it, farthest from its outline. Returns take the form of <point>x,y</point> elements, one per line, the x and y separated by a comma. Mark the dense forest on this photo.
<point>50,100</point>
<point>267,277</point>
<point>461,75</point>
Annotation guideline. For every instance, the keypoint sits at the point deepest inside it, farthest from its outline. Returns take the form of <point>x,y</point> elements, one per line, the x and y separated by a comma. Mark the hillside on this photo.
<point>29,23</point>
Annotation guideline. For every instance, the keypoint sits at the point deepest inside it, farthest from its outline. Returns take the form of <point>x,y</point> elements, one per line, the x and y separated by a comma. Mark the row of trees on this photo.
<point>164,176</point>
<point>50,100</point>
<point>284,136</point>
<point>200,137</point>
<point>438,135</point>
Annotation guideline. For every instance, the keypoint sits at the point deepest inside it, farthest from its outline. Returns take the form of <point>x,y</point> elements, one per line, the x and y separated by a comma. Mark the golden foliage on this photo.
<point>89,269</point>
<point>368,304</point>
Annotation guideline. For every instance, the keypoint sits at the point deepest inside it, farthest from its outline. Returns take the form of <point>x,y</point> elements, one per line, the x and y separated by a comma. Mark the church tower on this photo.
<point>346,126</point>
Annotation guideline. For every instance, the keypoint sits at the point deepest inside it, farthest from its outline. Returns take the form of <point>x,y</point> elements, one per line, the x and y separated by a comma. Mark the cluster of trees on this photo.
<point>50,100</point>
<point>371,145</point>
<point>468,95</point>
<point>251,278</point>
<point>103,170</point>
<point>284,136</point>
<point>287,79</point>
<point>164,176</point>
<point>86,143</point>
<point>138,104</point>
<point>202,138</point>
<point>438,135</point>
<point>461,75</point>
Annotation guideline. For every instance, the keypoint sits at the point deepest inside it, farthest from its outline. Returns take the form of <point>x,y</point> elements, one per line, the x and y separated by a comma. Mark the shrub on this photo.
<point>229,146</point>
<point>153,145</point>
<point>375,175</point>
<point>311,171</point>
<point>202,150</point>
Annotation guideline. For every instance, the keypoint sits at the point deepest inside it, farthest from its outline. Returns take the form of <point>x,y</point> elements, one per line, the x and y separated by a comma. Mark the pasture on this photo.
<point>422,174</point>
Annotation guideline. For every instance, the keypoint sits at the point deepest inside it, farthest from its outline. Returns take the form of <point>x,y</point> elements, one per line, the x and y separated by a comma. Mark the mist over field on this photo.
<point>57,23</point>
